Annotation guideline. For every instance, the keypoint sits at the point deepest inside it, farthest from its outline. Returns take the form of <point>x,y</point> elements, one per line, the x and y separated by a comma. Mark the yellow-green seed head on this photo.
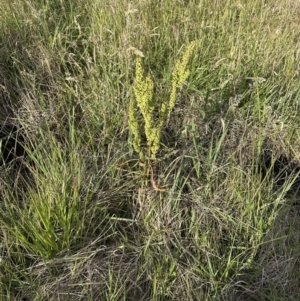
<point>143,92</point>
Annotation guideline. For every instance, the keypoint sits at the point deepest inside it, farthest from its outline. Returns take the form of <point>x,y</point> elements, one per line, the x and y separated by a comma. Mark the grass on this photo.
<point>78,221</point>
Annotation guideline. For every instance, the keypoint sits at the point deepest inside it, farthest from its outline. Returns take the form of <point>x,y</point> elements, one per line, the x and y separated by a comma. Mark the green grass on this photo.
<point>78,218</point>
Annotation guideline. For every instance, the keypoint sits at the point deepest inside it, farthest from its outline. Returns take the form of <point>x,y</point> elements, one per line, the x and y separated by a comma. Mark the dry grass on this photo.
<point>78,220</point>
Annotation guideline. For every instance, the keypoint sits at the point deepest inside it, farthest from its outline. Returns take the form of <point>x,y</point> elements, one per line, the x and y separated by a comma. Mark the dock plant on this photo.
<point>153,109</point>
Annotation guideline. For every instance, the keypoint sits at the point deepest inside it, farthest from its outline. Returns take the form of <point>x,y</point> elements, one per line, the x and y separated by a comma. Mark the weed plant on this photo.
<point>78,218</point>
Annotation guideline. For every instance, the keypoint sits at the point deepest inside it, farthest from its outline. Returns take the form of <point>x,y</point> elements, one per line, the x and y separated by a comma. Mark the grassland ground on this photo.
<point>79,217</point>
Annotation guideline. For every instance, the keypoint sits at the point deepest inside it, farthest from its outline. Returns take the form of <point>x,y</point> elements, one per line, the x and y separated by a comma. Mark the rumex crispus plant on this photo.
<point>154,110</point>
